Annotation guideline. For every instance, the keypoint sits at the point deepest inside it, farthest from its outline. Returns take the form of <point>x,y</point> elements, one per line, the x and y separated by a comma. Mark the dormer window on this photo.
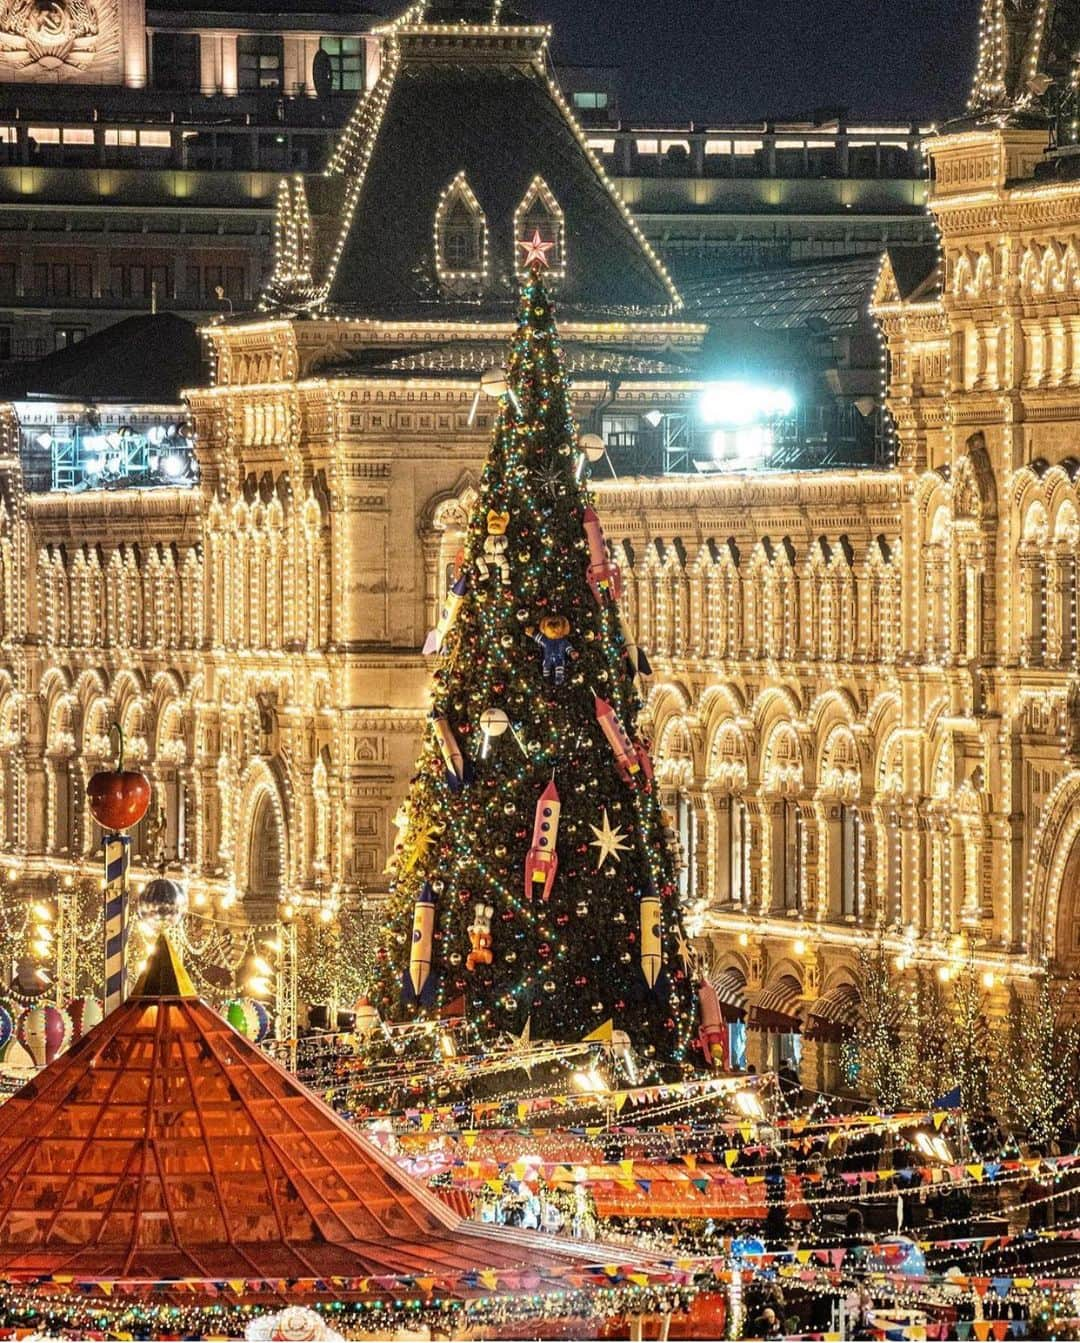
<point>460,238</point>
<point>540,213</point>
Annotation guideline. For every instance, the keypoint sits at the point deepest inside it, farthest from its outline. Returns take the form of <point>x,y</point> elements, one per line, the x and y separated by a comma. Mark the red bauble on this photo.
<point>118,798</point>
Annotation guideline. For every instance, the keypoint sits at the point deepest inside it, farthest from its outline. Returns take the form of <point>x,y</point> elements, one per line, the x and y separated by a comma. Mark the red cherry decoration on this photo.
<point>118,798</point>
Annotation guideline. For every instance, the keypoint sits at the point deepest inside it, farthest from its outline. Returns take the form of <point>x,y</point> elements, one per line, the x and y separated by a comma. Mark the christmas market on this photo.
<point>539,672</point>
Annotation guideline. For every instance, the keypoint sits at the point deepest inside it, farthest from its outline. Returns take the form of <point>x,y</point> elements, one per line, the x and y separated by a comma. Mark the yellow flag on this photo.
<point>731,1155</point>
<point>602,1035</point>
<point>426,1120</point>
<point>619,1100</point>
<point>469,1138</point>
<point>489,1278</point>
<point>975,1171</point>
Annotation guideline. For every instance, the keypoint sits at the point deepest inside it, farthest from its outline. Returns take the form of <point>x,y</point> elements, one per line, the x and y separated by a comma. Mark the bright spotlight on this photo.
<point>737,403</point>
<point>174,464</point>
<point>44,440</point>
<point>654,419</point>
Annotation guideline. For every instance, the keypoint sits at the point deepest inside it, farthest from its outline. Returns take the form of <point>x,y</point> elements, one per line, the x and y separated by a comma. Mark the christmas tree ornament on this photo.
<point>712,1033</point>
<point>651,951</point>
<point>603,575</point>
<point>162,903</point>
<point>592,446</point>
<point>495,555</point>
<point>626,759</point>
<point>44,1032</point>
<point>542,862</point>
<point>457,766</point>
<point>610,841</point>
<point>419,984</point>
<point>553,637</point>
<point>636,659</point>
<point>437,638</point>
<point>493,723</point>
<point>480,937</point>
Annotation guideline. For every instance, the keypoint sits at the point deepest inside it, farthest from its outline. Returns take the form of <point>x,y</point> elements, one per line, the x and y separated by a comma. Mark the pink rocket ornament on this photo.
<point>542,862</point>
<point>626,757</point>
<point>603,575</point>
<point>712,1035</point>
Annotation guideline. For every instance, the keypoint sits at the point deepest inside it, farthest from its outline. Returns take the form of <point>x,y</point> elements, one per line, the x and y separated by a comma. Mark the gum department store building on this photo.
<point>866,695</point>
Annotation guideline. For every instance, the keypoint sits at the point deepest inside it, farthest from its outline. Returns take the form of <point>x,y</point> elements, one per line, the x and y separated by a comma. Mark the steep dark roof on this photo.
<point>478,103</point>
<point>146,359</point>
<point>917,270</point>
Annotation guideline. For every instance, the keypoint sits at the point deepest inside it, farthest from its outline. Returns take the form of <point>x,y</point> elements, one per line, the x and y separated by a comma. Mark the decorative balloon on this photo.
<point>44,1032</point>
<point>14,1060</point>
<point>7,1024</point>
<point>118,797</point>
<point>162,903</point>
<point>31,981</point>
<point>249,1017</point>
<point>367,1017</point>
<point>85,1014</point>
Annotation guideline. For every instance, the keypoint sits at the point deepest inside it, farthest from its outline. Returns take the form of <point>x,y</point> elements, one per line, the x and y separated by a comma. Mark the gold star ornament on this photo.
<point>610,841</point>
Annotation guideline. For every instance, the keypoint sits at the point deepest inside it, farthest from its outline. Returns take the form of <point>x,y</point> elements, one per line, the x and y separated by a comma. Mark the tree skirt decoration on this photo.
<point>244,1193</point>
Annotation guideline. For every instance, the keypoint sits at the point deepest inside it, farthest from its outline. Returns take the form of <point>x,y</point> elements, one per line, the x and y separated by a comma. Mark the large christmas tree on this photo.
<point>532,879</point>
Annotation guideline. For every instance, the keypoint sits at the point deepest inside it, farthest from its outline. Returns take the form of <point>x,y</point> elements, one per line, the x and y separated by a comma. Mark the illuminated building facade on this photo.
<point>865,700</point>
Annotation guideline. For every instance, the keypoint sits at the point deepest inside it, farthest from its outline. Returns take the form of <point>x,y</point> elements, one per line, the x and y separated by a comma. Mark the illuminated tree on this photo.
<point>971,1041</point>
<point>1036,1076</point>
<point>885,1061</point>
<point>532,879</point>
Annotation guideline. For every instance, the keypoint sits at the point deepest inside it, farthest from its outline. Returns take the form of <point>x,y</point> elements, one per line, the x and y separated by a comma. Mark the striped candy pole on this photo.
<point>117,854</point>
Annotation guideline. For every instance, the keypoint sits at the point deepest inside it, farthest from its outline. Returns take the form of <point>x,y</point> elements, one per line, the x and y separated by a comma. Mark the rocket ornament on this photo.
<point>454,598</point>
<point>419,983</point>
<point>636,659</point>
<point>652,955</point>
<point>626,757</point>
<point>712,1034</point>
<point>458,768</point>
<point>542,862</point>
<point>603,574</point>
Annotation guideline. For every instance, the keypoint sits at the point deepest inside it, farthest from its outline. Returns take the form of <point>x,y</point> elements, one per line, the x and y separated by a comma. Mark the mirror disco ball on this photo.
<point>162,902</point>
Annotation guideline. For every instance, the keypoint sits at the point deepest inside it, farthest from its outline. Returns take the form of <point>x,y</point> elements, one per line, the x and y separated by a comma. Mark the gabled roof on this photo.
<point>461,97</point>
<point>909,275</point>
<point>165,1146</point>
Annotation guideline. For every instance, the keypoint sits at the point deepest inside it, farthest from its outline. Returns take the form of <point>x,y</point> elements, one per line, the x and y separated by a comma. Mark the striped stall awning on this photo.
<point>777,1009</point>
<point>730,989</point>
<point>834,1016</point>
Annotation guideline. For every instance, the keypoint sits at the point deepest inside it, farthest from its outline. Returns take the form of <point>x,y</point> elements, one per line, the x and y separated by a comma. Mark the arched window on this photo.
<point>540,213</point>
<point>850,862</point>
<point>791,855</point>
<point>460,237</point>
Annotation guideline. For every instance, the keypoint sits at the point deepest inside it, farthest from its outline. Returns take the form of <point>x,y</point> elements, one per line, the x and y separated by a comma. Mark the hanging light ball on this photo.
<point>592,445</point>
<point>162,903</point>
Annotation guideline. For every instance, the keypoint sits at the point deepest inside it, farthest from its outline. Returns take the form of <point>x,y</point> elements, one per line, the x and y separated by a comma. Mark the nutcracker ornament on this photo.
<point>495,556</point>
<point>480,937</point>
<point>554,639</point>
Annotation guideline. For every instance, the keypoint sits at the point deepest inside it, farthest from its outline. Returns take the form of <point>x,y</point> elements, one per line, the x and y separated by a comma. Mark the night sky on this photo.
<point>745,60</point>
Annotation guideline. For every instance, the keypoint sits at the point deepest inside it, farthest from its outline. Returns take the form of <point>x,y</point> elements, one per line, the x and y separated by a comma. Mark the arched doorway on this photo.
<point>1066,945</point>
<point>264,866</point>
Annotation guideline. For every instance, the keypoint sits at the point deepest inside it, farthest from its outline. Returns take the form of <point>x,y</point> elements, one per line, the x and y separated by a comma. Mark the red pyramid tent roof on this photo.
<point>165,1146</point>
